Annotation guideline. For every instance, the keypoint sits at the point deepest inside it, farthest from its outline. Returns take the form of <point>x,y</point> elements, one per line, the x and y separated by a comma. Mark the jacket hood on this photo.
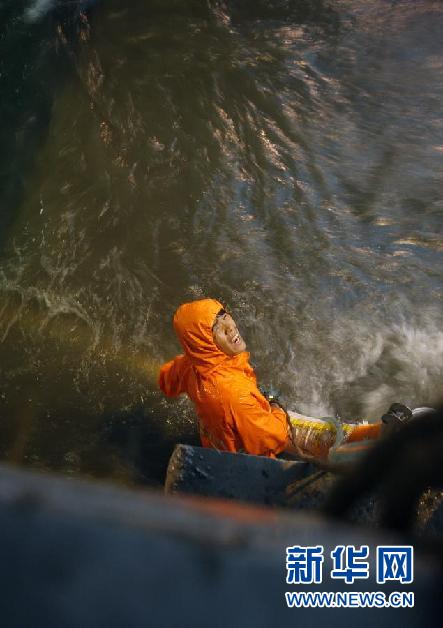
<point>193,325</point>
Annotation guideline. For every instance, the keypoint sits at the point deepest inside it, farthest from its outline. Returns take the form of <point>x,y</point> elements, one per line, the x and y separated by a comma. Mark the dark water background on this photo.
<point>285,157</point>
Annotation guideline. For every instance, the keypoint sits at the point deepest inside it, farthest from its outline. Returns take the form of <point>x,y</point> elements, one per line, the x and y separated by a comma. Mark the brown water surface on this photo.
<point>285,158</point>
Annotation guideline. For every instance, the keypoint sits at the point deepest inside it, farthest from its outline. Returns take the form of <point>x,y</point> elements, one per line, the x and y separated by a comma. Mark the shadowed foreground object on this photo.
<point>78,554</point>
<point>402,467</point>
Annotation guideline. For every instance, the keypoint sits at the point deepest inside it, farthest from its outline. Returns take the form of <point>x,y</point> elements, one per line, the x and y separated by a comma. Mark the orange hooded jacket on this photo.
<point>234,415</point>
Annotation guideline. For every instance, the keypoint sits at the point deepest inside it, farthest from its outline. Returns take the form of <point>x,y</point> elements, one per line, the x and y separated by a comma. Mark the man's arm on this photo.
<point>262,428</point>
<point>173,375</point>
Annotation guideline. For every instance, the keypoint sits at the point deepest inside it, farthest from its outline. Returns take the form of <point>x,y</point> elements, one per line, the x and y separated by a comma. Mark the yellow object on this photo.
<point>315,437</point>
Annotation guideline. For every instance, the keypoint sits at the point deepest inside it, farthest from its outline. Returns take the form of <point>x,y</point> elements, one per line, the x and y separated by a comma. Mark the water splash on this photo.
<point>368,364</point>
<point>39,8</point>
<point>414,358</point>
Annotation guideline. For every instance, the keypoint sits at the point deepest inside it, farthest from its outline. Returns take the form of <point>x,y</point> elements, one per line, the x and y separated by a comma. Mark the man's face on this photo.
<point>226,335</point>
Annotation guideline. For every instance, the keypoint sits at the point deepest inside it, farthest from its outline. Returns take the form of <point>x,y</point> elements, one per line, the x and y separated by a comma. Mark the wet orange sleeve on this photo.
<point>262,432</point>
<point>173,376</point>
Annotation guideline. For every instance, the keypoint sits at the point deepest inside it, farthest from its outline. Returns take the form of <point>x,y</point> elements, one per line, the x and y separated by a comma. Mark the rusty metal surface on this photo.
<point>255,479</point>
<point>299,486</point>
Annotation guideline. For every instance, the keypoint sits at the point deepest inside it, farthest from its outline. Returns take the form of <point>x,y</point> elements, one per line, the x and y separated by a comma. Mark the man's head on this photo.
<point>207,333</point>
<point>226,335</point>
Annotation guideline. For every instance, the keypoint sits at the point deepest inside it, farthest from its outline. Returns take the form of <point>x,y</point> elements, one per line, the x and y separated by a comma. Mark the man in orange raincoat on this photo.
<point>215,372</point>
<point>234,415</point>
